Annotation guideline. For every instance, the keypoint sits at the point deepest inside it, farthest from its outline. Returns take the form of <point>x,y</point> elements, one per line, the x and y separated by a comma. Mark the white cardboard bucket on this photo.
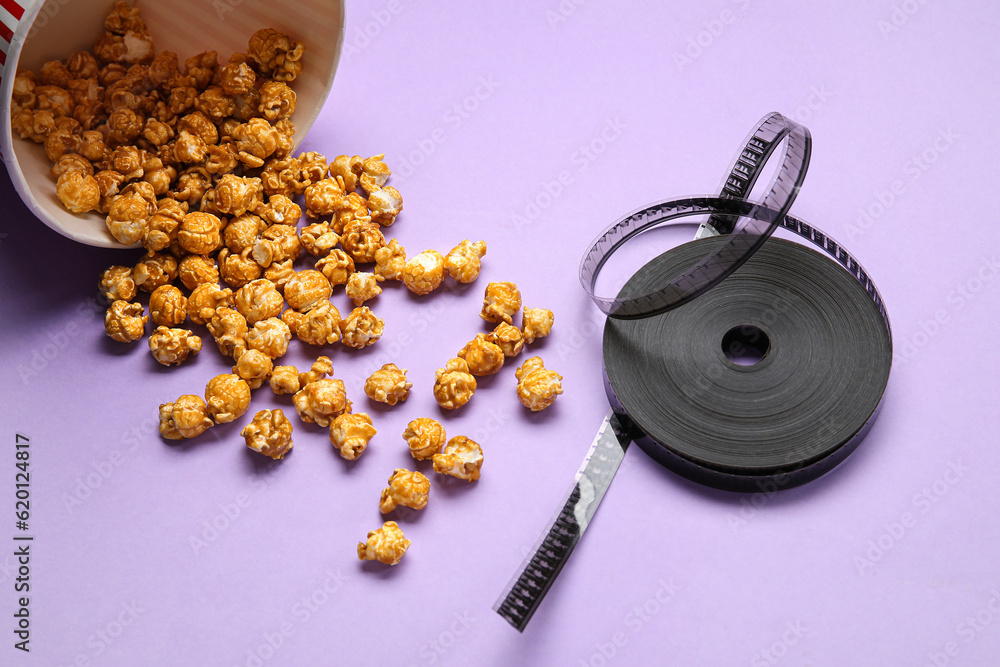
<point>33,32</point>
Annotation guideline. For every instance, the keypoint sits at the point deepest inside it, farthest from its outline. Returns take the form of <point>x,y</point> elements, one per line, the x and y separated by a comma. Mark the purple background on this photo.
<point>669,572</point>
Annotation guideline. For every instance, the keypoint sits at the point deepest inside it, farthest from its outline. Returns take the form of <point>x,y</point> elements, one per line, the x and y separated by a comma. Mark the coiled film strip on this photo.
<point>704,266</point>
<point>745,233</point>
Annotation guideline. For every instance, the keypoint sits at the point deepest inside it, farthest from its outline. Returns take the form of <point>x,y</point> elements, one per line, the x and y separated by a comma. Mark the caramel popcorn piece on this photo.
<point>425,438</point>
<point>390,261</point>
<point>277,100</point>
<point>172,347</point>
<point>34,125</point>
<point>482,356</point>
<point>337,267</point>
<point>314,167</point>
<point>229,329</point>
<point>350,433</point>
<point>463,262</point>
<point>237,78</point>
<point>318,239</point>
<point>279,273</point>
<point>306,289</point>
<point>190,149</point>
<point>127,218</point>
<point>162,227</point>
<point>128,161</point>
<point>195,270</point>
<point>373,173</point>
<point>276,54</point>
<point>214,103</point>
<point>353,208</point>
<point>167,306</point>
<point>293,319</point>
<point>462,458</point>
<point>361,240</point>
<point>537,387</point>
<point>385,205</point>
<point>270,433</point>
<point>319,369</point>
<point>187,417</point>
<point>386,545</point>
<point>280,210</point>
<point>235,195</point>
<point>319,326</point>
<point>205,299</point>
<point>423,273</point>
<point>242,233</point>
<point>258,300</point>
<point>361,328</point>
<point>536,323</point>
<point>342,170</point>
<point>363,286</point>
<point>388,385</point>
<point>238,269</point>
<point>256,140</point>
<point>78,192</point>
<point>454,385</point>
<point>117,284</point>
<point>270,336</point>
<point>199,233</point>
<point>508,338</point>
<point>61,142</point>
<point>285,380</point>
<point>227,398</point>
<point>283,176</point>
<point>71,162</point>
<point>320,401</point>
<point>125,321</point>
<point>254,367</point>
<point>154,270</point>
<point>109,182</point>
<point>407,488</point>
<point>501,302</point>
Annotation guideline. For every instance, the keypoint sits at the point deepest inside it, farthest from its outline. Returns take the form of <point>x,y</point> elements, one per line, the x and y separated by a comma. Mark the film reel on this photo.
<point>817,323</point>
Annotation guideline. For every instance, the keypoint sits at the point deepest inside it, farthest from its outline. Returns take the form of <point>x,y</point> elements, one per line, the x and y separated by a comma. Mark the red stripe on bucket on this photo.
<point>6,32</point>
<point>16,10</point>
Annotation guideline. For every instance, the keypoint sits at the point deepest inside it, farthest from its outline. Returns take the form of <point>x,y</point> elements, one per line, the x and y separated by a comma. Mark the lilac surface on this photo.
<point>669,572</point>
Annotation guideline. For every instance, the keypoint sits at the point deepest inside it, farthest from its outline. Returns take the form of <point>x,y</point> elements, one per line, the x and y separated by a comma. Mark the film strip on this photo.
<point>527,588</point>
<point>745,232</point>
<point>708,264</point>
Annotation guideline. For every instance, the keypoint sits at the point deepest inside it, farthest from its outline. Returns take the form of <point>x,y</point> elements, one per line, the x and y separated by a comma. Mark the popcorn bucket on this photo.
<point>33,32</point>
